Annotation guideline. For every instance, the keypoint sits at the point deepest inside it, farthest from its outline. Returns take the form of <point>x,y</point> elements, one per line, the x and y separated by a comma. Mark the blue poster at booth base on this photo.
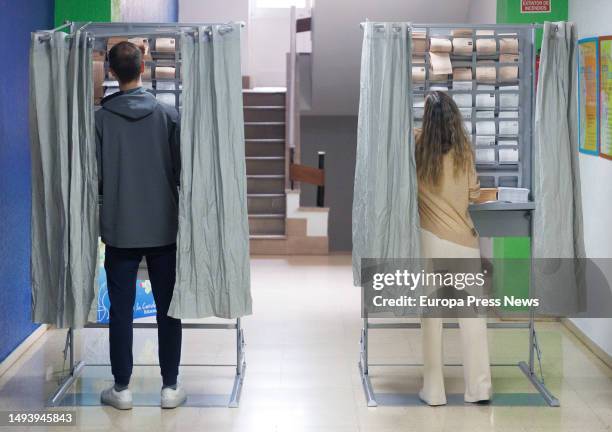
<point>144,305</point>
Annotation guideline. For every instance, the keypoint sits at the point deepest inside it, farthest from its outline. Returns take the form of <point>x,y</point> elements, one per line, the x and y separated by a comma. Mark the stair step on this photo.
<point>272,203</point>
<point>264,130</point>
<point>262,165</point>
<point>255,98</point>
<point>265,184</point>
<point>267,225</point>
<point>269,113</point>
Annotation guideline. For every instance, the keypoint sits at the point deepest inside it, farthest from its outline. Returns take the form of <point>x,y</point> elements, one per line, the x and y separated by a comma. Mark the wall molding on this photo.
<point>16,354</point>
<point>590,344</point>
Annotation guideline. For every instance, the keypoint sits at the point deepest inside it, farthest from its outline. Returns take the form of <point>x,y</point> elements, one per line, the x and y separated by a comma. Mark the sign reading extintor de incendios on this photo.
<point>535,6</point>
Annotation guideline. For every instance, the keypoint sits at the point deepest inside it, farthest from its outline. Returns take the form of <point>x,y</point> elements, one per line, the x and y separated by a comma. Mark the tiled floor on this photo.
<point>302,375</point>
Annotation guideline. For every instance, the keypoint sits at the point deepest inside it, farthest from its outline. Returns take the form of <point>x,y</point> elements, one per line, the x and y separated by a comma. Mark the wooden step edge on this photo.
<point>266,176</point>
<point>267,237</point>
<point>267,216</point>
<point>265,92</point>
<point>264,107</point>
<point>267,140</point>
<point>264,195</point>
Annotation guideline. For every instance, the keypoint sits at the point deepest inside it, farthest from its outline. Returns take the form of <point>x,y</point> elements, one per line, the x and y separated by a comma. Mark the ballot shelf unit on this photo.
<point>493,219</point>
<point>165,88</point>
<point>98,34</point>
<point>503,157</point>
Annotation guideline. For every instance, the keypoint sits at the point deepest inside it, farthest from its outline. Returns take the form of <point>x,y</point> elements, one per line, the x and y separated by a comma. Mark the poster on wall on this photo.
<point>535,6</point>
<point>605,97</point>
<point>588,95</point>
<point>144,303</point>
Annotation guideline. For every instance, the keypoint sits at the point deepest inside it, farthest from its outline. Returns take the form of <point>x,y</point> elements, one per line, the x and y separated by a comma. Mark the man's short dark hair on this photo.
<point>125,59</point>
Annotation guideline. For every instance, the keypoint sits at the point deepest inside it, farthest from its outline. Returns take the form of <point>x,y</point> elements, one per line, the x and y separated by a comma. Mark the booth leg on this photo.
<point>363,367</point>
<point>539,385</point>
<point>67,382</point>
<point>529,368</point>
<point>234,400</point>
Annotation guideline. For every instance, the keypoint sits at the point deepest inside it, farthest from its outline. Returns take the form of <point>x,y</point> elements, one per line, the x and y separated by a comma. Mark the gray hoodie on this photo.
<point>137,140</point>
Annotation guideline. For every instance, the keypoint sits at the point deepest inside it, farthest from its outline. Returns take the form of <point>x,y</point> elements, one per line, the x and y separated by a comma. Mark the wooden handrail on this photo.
<point>306,174</point>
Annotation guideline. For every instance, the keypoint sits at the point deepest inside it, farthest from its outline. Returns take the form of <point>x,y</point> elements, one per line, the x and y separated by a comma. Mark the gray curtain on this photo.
<point>558,229</point>
<point>213,276</point>
<point>385,209</point>
<point>558,279</point>
<point>64,223</point>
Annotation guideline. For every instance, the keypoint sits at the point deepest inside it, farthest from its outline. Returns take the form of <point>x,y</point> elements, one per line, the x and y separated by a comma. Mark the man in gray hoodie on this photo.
<point>137,141</point>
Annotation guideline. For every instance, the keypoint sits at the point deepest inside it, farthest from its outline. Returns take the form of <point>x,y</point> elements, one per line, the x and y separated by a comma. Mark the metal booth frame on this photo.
<point>492,219</point>
<point>148,30</point>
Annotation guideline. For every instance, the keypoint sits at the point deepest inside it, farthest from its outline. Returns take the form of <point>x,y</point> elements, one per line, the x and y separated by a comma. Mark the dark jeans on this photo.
<point>121,267</point>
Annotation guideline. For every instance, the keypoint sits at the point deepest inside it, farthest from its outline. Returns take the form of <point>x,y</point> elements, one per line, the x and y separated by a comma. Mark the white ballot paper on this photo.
<point>463,100</point>
<point>509,127</point>
<point>485,114</point>
<point>484,100</point>
<point>485,140</point>
<point>507,99</point>
<point>485,128</point>
<point>508,155</point>
<point>485,155</point>
<point>463,85</point>
<point>466,113</point>
<point>508,114</point>
<point>468,126</point>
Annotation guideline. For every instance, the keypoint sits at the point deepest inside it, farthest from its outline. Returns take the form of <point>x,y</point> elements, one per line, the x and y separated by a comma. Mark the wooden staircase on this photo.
<point>264,131</point>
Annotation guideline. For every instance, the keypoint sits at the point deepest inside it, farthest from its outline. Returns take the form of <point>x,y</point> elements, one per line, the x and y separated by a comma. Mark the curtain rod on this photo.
<point>474,26</point>
<point>133,28</point>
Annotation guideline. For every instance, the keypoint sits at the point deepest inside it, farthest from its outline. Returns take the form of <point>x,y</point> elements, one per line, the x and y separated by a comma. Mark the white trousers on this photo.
<point>474,344</point>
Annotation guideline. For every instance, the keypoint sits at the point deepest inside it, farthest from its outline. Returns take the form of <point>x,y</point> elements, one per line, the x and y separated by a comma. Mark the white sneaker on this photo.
<point>171,398</point>
<point>121,400</point>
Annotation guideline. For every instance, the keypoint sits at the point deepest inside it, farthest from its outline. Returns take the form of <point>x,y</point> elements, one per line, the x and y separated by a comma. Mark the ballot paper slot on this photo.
<point>493,180</point>
<point>487,181</point>
<point>508,181</point>
<point>491,80</point>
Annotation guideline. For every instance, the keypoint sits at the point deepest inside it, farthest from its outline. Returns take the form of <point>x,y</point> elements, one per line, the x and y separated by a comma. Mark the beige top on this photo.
<point>444,209</point>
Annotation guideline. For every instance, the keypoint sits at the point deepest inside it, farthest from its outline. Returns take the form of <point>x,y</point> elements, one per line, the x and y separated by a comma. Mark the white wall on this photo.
<point>337,42</point>
<point>218,11</point>
<point>593,19</point>
<point>482,12</point>
<point>268,45</point>
<point>265,40</point>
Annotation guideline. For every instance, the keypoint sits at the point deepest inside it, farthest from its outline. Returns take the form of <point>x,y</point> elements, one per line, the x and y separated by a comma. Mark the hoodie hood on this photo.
<point>133,104</point>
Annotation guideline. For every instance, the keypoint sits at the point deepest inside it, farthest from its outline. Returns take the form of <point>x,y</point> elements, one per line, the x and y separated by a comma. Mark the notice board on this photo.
<point>588,95</point>
<point>605,97</point>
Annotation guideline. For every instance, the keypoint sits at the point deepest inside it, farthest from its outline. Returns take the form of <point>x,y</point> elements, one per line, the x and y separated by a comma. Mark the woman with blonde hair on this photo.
<point>447,184</point>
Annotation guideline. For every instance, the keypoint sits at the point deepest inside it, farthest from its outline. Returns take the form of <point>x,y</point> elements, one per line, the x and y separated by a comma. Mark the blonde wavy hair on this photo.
<point>442,132</point>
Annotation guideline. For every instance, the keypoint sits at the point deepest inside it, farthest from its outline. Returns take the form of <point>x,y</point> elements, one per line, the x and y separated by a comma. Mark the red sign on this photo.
<point>535,6</point>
